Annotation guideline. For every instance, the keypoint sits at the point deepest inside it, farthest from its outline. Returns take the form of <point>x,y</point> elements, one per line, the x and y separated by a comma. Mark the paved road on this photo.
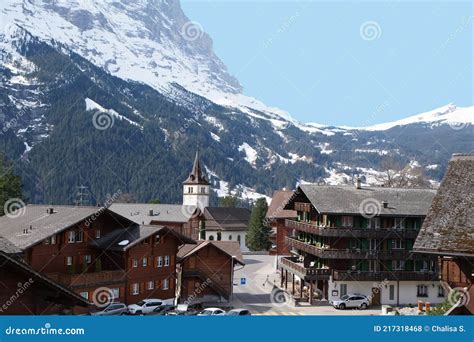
<point>257,296</point>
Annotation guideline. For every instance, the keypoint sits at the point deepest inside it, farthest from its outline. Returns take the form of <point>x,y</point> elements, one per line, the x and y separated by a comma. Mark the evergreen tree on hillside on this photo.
<point>258,236</point>
<point>228,201</point>
<point>10,185</point>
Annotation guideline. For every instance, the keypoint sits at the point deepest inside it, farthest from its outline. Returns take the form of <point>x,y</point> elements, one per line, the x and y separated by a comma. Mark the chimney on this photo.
<point>385,204</point>
<point>150,212</point>
<point>50,211</point>
<point>358,183</point>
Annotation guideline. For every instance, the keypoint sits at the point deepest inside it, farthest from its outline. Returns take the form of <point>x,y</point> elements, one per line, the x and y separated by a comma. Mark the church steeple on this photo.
<point>196,186</point>
<point>196,176</point>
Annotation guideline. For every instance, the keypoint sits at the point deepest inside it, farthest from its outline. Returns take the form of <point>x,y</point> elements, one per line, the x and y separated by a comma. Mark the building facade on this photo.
<point>353,239</point>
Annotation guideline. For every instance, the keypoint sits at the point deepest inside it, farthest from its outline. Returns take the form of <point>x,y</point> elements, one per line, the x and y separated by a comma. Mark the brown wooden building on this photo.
<point>276,216</point>
<point>354,239</point>
<point>448,232</point>
<point>206,271</point>
<point>23,291</point>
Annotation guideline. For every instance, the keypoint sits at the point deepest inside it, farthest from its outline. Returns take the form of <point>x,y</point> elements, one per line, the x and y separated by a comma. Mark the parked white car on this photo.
<point>146,306</point>
<point>351,301</point>
<point>212,312</point>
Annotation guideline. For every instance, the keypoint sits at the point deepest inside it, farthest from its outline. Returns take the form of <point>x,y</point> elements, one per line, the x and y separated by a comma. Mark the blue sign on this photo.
<point>243,281</point>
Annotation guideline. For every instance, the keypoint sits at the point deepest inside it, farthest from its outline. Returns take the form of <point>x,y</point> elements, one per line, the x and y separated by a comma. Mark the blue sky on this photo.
<point>345,63</point>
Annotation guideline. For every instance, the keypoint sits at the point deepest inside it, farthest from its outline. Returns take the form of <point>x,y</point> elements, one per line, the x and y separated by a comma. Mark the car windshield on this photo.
<point>141,303</point>
<point>345,297</point>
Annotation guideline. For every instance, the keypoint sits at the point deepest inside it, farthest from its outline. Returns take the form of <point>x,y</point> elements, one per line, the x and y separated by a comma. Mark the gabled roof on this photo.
<point>7,247</point>
<point>140,212</point>
<point>335,199</point>
<point>76,299</point>
<point>228,218</point>
<point>40,224</point>
<point>196,176</point>
<point>231,248</point>
<point>448,228</point>
<point>124,239</point>
<point>276,209</point>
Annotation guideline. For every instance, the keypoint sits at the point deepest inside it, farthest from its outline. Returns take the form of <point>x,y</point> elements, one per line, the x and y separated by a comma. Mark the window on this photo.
<point>347,221</point>
<point>374,223</point>
<point>115,293</point>
<point>230,237</point>
<point>71,237</point>
<point>190,190</point>
<point>203,190</point>
<point>398,244</point>
<point>151,285</point>
<point>167,260</point>
<point>238,239</point>
<point>135,263</point>
<point>391,295</point>
<point>53,239</point>
<point>159,262</point>
<point>79,236</point>
<point>69,260</point>
<point>398,265</point>
<point>399,223</point>
<point>165,284</point>
<point>422,291</point>
<point>97,234</point>
<point>219,236</point>
<point>145,262</point>
<point>135,289</point>
<point>211,237</point>
<point>85,295</point>
<point>157,239</point>
<point>440,291</point>
<point>87,259</point>
<point>343,288</point>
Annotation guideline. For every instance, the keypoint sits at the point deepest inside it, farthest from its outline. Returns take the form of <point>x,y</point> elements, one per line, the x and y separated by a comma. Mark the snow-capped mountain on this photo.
<point>105,93</point>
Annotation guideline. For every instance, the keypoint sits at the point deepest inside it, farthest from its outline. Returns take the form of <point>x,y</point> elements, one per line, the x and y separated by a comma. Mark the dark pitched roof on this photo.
<point>228,218</point>
<point>41,223</point>
<point>6,260</point>
<point>231,248</point>
<point>448,228</point>
<point>276,209</point>
<point>140,212</point>
<point>196,176</point>
<point>334,199</point>
<point>124,239</point>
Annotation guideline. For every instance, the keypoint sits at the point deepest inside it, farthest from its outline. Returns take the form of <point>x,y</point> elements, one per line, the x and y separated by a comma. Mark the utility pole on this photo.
<point>82,195</point>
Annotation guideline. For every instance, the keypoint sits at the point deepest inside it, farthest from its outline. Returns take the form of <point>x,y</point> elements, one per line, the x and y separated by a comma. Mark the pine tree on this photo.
<point>10,185</point>
<point>228,201</point>
<point>258,236</point>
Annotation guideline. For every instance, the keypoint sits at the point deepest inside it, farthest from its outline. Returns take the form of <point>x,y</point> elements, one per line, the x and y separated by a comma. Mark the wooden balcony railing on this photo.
<point>351,253</point>
<point>89,279</point>
<point>297,268</point>
<point>301,206</point>
<point>384,275</point>
<point>312,228</point>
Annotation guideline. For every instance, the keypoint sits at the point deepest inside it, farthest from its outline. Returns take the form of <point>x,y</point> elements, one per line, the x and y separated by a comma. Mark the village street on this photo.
<point>253,286</point>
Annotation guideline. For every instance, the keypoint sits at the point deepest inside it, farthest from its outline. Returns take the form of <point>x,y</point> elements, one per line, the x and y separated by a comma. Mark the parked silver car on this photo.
<point>351,301</point>
<point>113,309</point>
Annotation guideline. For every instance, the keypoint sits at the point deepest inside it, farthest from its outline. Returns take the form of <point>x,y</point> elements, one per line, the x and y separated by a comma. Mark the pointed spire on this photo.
<point>196,176</point>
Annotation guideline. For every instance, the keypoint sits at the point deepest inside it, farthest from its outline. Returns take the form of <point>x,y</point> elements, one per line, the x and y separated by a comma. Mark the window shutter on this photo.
<point>338,221</point>
<point>172,260</point>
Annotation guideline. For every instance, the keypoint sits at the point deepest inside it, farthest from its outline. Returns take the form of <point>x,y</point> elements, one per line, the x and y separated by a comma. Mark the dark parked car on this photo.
<point>238,312</point>
<point>163,310</point>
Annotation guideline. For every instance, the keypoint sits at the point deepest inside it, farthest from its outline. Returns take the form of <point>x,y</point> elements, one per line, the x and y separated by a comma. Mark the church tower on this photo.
<point>196,187</point>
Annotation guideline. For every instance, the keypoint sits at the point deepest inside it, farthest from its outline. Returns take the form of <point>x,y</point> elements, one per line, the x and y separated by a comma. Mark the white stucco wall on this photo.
<point>230,236</point>
<point>406,290</point>
<point>196,198</point>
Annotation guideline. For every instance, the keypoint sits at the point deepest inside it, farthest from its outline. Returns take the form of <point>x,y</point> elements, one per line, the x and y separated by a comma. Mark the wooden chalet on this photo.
<point>276,216</point>
<point>448,231</point>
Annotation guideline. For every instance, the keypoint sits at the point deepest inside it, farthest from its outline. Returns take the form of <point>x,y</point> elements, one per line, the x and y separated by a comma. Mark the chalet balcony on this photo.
<point>384,275</point>
<point>89,279</point>
<point>309,273</point>
<point>312,228</point>
<point>327,253</point>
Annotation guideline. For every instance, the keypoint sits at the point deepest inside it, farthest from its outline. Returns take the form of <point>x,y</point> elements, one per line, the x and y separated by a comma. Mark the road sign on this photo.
<point>243,281</point>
